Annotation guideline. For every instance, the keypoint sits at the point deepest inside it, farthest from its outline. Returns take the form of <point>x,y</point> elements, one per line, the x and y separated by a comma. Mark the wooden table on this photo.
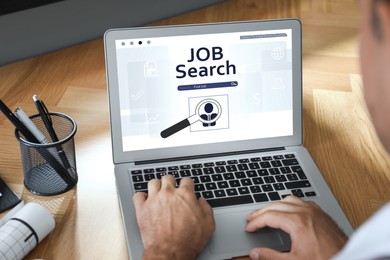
<point>337,129</point>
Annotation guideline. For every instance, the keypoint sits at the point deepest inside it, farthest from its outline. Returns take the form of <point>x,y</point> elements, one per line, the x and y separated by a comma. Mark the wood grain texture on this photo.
<point>337,128</point>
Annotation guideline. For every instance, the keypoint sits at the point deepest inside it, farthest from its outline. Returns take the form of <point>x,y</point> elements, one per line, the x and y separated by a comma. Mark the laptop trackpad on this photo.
<point>230,236</point>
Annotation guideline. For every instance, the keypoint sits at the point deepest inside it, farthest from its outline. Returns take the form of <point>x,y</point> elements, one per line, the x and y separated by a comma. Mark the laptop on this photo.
<point>220,103</point>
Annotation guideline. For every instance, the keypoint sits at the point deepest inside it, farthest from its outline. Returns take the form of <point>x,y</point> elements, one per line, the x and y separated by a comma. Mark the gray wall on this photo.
<point>39,30</point>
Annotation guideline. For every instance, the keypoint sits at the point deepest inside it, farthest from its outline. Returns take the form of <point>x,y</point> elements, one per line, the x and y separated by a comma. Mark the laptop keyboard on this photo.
<point>234,182</point>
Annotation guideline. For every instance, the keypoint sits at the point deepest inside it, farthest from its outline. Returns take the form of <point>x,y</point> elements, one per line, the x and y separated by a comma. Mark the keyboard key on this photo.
<point>267,187</point>
<point>232,162</point>
<point>161,169</point>
<point>254,166</point>
<point>207,194</point>
<point>285,170</point>
<point>149,177</point>
<point>220,169</point>
<point>243,190</point>
<point>266,158</point>
<point>276,163</point>
<point>138,178</point>
<point>237,200</point>
<point>274,171</point>
<point>209,164</point>
<point>246,182</point>
<point>251,174</point>
<point>263,172</point>
<point>279,186</point>
<point>240,175</point>
<point>292,177</point>
<point>160,174</point>
<point>231,192</point>
<point>216,177</point>
<point>185,173</point>
<point>258,180</point>
<point>260,197</point>
<point>231,168</point>
<point>234,183</point>
<point>297,184</point>
<point>289,156</point>
<point>199,187</point>
<point>255,189</point>
<point>208,170</point>
<point>265,165</point>
<point>211,186</point>
<point>148,170</point>
<point>205,178</point>
<point>242,167</point>
<point>197,165</point>
<point>243,160</point>
<point>280,178</point>
<point>255,159</point>
<point>273,196</point>
<point>219,193</point>
<point>296,168</point>
<point>301,175</point>
<point>141,186</point>
<point>269,179</point>
<point>195,179</point>
<point>136,172</point>
<point>222,184</point>
<point>278,157</point>
<point>221,163</point>
<point>196,172</point>
<point>289,162</point>
<point>173,168</point>
<point>228,176</point>
<point>310,193</point>
<point>185,167</point>
<point>298,193</point>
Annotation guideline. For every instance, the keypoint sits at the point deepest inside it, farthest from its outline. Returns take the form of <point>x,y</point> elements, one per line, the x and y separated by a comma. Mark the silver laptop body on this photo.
<point>200,95</point>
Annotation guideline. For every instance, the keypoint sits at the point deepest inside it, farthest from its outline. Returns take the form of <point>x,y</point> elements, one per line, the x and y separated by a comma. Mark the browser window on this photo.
<point>198,89</point>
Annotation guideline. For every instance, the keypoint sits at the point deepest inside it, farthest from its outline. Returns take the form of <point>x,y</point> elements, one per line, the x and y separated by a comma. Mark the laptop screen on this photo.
<point>199,89</point>
<point>190,90</point>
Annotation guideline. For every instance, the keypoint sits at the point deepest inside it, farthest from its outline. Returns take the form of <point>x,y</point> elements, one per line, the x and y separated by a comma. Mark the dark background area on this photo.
<point>12,6</point>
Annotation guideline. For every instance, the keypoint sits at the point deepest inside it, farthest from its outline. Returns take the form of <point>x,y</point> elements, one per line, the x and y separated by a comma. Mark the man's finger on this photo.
<point>273,219</point>
<point>139,199</point>
<point>167,182</point>
<point>187,183</point>
<point>154,187</point>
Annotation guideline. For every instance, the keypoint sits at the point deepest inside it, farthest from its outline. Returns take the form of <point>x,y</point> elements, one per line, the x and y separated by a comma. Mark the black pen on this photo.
<point>44,113</point>
<point>31,138</point>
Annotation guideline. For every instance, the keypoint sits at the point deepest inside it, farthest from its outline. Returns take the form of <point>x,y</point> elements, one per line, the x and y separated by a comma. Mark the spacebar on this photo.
<point>222,202</point>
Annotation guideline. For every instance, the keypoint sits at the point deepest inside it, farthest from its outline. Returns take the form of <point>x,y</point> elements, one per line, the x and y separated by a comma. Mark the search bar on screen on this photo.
<point>227,84</point>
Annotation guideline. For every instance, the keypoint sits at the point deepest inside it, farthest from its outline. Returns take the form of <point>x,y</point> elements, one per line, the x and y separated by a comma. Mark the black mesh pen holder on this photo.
<point>50,166</point>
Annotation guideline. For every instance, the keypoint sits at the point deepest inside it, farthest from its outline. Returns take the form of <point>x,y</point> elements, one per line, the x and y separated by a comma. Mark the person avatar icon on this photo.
<point>209,116</point>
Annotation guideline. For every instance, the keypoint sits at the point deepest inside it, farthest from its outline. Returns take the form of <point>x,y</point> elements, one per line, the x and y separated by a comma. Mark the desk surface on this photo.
<point>337,130</point>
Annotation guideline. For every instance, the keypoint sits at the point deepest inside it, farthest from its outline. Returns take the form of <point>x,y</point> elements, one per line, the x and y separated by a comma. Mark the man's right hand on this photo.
<point>314,235</point>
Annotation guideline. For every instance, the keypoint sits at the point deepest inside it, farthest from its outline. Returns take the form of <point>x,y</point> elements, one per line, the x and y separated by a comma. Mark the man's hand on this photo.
<point>314,235</point>
<point>174,224</point>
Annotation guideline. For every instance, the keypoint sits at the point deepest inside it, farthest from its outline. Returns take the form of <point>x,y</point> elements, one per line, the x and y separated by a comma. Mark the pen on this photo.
<point>30,126</point>
<point>31,138</point>
<point>42,110</point>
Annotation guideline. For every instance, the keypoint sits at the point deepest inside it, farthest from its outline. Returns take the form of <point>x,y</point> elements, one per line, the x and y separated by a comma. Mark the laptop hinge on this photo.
<point>184,158</point>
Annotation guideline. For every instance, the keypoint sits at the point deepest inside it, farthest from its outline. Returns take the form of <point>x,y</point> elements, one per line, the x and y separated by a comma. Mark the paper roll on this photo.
<point>29,226</point>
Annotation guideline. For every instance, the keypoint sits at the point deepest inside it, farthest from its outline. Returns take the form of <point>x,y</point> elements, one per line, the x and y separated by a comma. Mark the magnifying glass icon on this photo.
<point>202,114</point>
